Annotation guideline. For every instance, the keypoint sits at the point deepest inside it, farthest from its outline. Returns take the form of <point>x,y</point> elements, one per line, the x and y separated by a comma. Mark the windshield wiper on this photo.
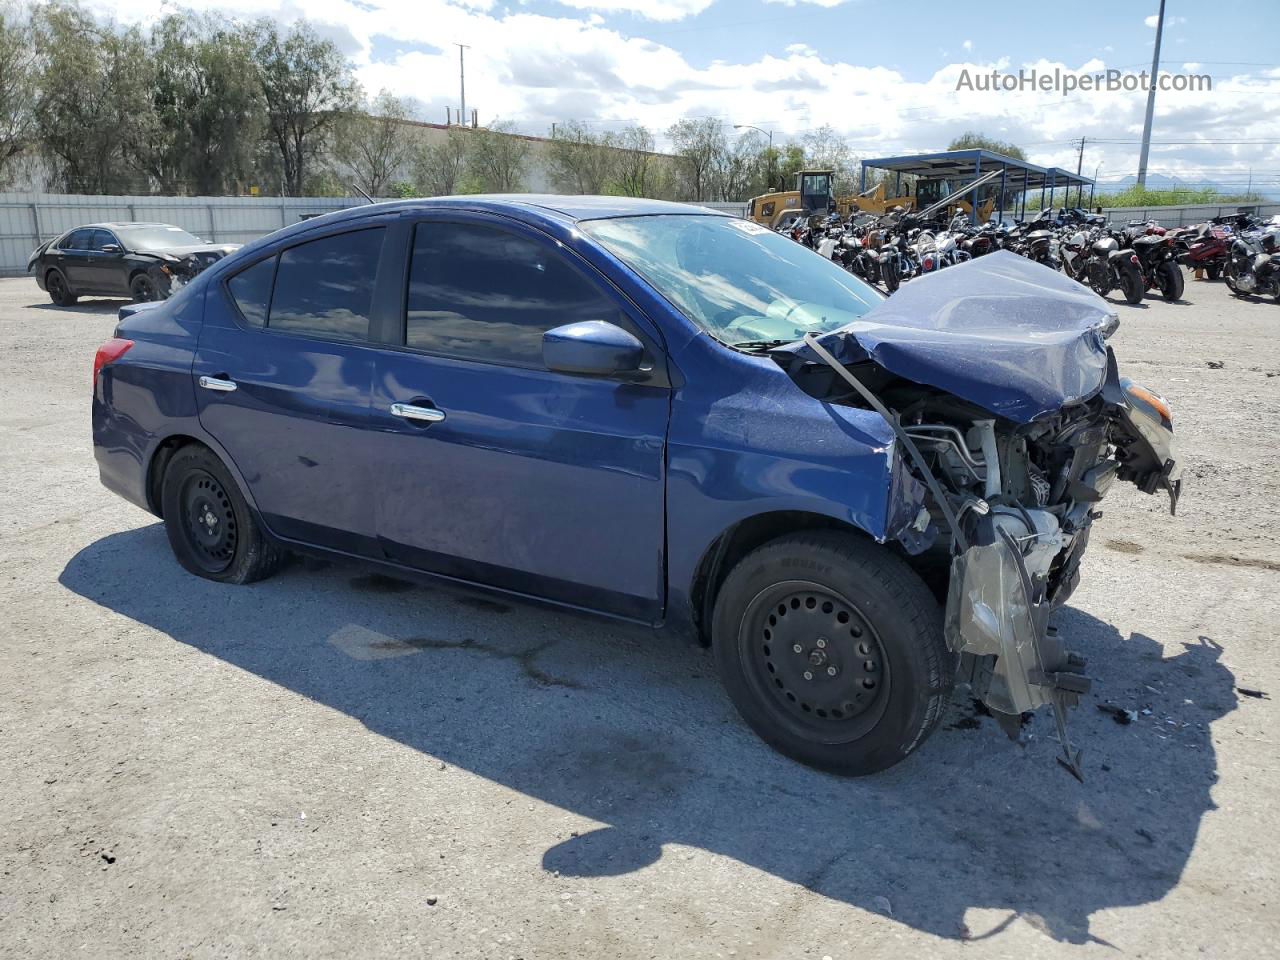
<point>764,344</point>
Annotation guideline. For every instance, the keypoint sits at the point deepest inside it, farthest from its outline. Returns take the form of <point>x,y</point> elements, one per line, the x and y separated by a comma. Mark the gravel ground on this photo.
<point>331,763</point>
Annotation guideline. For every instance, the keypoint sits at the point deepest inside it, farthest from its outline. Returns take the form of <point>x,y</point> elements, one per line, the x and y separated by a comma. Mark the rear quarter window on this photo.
<point>251,290</point>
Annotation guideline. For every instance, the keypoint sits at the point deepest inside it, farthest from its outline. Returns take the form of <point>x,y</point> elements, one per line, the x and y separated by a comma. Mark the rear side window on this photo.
<point>251,290</point>
<point>324,288</point>
<point>481,293</point>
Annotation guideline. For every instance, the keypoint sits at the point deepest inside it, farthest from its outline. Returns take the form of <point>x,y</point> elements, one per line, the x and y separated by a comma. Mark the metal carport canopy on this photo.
<point>967,164</point>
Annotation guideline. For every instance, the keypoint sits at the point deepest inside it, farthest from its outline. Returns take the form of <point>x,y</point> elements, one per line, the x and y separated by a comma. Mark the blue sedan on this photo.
<point>659,414</point>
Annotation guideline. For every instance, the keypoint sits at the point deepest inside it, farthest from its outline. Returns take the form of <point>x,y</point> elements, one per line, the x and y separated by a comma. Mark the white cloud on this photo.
<point>968,45</point>
<point>536,69</point>
<point>649,9</point>
<point>816,3</point>
<point>1152,20</point>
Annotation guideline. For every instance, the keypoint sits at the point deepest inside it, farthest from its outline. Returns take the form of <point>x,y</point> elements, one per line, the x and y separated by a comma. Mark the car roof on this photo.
<point>116,224</point>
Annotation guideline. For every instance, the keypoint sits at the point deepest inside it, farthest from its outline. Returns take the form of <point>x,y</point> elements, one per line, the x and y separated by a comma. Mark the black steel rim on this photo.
<point>816,662</point>
<point>144,290</point>
<point>209,521</point>
<point>57,287</point>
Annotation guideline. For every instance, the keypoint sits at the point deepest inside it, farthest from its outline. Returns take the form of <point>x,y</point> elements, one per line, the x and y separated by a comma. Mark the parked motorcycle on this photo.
<point>1254,264</point>
<point>1110,265</point>
<point>1158,258</point>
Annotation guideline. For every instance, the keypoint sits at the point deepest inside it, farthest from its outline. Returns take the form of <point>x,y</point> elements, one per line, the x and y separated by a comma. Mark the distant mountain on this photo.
<point>1158,181</point>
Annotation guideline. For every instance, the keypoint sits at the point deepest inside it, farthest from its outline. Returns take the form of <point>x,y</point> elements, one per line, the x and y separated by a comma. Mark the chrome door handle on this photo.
<point>409,412</point>
<point>218,384</point>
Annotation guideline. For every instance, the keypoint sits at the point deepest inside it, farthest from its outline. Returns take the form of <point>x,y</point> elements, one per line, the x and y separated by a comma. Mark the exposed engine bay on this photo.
<point>1010,498</point>
<point>173,271</point>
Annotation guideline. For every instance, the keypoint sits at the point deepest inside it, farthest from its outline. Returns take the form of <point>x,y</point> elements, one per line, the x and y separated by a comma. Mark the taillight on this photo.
<point>1135,261</point>
<point>928,263</point>
<point>112,350</point>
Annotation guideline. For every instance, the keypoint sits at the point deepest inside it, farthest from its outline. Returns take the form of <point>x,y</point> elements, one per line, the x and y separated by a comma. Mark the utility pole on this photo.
<point>1080,159</point>
<point>1151,102</point>
<point>462,80</point>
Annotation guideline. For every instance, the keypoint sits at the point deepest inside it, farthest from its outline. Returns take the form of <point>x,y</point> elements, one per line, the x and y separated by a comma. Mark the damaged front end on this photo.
<point>172,271</point>
<point>1017,430</point>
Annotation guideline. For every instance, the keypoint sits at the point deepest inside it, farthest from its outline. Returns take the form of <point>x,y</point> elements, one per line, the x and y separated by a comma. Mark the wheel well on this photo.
<point>739,540</point>
<point>159,462</point>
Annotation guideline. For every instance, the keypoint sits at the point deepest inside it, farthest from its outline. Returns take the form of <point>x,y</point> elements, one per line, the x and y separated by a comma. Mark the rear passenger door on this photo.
<point>75,259</point>
<point>545,483</point>
<point>282,372</point>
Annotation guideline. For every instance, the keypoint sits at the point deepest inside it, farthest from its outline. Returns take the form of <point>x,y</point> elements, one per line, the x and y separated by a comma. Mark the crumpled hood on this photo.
<point>1003,332</point>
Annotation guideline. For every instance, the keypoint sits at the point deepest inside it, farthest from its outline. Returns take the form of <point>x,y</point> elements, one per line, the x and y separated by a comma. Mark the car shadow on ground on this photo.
<point>90,307</point>
<point>633,731</point>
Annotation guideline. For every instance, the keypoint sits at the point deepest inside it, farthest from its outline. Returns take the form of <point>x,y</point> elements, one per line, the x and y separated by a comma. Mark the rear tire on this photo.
<point>873,673</point>
<point>59,290</point>
<point>1213,271</point>
<point>1132,287</point>
<point>210,527</point>
<point>1171,282</point>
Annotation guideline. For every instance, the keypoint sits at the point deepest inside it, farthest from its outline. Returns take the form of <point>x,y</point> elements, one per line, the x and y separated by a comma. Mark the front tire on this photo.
<point>144,290</point>
<point>59,290</point>
<point>210,527</point>
<point>872,673</point>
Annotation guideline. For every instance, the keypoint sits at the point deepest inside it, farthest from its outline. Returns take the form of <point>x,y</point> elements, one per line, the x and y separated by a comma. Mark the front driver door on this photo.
<point>544,483</point>
<point>107,267</point>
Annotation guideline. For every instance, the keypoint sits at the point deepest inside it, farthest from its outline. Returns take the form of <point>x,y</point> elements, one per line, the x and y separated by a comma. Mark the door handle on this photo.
<point>410,412</point>
<point>219,384</point>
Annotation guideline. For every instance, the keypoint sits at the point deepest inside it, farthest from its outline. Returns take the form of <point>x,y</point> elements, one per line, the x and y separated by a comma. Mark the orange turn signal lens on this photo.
<point>1154,399</point>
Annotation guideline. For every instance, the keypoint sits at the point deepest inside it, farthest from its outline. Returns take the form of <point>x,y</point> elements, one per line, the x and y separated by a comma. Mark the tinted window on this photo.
<point>77,240</point>
<point>325,287</point>
<point>480,293</point>
<point>100,239</point>
<point>252,290</point>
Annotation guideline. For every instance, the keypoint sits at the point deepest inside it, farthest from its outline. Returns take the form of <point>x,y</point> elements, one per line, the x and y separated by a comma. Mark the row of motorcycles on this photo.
<point>891,249</point>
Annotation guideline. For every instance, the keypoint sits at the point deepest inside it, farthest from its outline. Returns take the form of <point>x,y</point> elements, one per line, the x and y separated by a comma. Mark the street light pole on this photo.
<point>462,82</point>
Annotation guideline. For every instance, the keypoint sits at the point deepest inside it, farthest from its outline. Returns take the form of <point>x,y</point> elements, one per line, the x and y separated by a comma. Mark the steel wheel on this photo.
<point>817,660</point>
<point>208,521</point>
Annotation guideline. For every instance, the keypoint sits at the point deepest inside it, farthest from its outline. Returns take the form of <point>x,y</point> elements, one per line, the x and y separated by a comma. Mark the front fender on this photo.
<point>765,446</point>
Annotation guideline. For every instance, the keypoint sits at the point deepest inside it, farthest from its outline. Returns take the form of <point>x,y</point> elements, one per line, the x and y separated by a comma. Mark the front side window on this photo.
<point>324,288</point>
<point>100,239</point>
<point>480,293</point>
<point>737,280</point>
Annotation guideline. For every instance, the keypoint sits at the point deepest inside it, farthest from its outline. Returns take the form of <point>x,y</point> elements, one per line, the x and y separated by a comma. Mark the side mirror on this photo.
<point>110,248</point>
<point>593,347</point>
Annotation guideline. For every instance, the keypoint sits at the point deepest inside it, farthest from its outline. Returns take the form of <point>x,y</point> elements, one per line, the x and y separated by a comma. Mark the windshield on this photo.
<point>156,237</point>
<point>739,281</point>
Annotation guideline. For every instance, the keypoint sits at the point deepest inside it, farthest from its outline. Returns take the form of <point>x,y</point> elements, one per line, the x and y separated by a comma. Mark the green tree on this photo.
<point>700,144</point>
<point>18,75</point>
<point>307,86</point>
<point>375,144</point>
<point>580,161</point>
<point>206,106</point>
<point>978,141</point>
<point>440,164</point>
<point>498,157</point>
<point>636,171</point>
<point>93,97</point>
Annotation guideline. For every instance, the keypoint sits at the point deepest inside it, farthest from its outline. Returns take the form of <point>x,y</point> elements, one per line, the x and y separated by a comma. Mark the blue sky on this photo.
<point>883,74</point>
